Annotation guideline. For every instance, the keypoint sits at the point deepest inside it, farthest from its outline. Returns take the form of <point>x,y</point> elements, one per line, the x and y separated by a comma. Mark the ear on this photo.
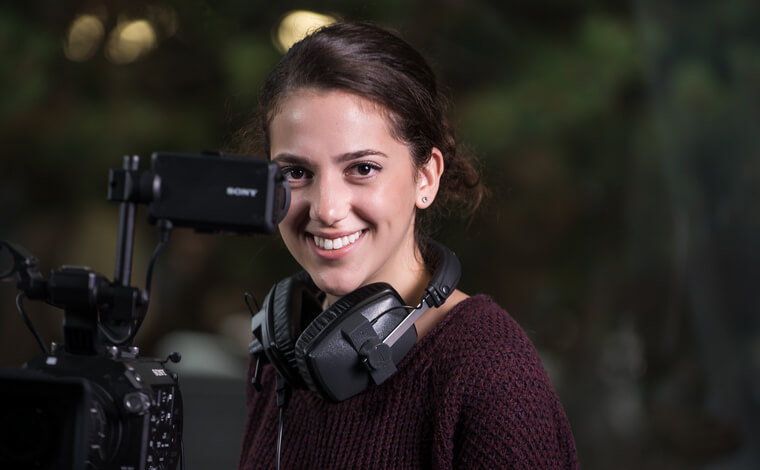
<point>429,179</point>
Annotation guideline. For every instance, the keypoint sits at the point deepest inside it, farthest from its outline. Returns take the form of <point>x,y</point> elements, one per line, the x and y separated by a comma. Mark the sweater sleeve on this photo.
<point>503,411</point>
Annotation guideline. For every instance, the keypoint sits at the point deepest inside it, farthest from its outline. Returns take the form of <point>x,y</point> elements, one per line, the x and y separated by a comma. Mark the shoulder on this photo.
<point>490,378</point>
<point>480,348</point>
<point>479,329</point>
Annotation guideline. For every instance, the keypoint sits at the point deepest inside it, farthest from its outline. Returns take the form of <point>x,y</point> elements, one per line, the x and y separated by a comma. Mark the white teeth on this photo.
<point>336,243</point>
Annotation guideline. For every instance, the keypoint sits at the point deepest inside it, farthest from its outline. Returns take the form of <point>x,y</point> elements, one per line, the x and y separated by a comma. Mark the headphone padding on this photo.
<point>293,298</point>
<point>345,305</point>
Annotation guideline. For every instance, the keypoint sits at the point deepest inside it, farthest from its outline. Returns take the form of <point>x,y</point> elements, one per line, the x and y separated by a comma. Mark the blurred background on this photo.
<point>619,140</point>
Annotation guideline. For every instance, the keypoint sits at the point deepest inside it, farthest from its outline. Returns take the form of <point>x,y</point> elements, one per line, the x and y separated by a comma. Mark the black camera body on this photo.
<point>91,402</point>
<point>82,412</point>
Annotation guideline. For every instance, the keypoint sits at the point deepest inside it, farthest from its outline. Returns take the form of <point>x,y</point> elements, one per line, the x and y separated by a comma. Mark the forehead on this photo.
<point>323,95</point>
<point>319,121</point>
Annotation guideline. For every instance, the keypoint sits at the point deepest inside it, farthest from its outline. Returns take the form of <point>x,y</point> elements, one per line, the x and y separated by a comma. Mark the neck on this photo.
<point>409,279</point>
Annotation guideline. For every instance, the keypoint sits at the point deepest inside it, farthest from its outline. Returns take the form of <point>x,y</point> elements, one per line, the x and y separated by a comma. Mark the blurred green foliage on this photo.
<point>618,140</point>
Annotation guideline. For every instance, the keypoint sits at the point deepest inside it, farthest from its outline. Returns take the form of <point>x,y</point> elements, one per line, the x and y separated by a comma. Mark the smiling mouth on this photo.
<point>336,243</point>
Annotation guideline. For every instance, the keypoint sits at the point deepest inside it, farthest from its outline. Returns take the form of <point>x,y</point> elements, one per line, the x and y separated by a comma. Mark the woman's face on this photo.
<point>354,191</point>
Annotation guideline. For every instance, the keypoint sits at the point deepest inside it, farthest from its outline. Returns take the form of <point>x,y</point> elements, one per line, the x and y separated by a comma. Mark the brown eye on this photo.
<point>294,172</point>
<point>364,169</point>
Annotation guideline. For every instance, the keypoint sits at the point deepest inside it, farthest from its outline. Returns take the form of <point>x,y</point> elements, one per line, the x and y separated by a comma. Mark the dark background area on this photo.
<point>619,141</point>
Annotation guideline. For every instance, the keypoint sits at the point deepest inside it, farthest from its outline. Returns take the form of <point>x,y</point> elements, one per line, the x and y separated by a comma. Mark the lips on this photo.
<point>336,243</point>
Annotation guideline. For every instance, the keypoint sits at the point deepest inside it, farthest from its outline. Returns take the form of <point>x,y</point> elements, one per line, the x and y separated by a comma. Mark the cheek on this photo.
<point>297,212</point>
<point>386,205</point>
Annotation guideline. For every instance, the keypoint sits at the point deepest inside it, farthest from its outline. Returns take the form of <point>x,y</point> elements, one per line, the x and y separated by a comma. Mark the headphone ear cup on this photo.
<point>325,322</point>
<point>312,332</point>
<point>293,302</point>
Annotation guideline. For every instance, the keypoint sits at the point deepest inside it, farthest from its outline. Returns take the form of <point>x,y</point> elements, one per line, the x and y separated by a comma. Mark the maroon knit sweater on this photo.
<point>472,393</point>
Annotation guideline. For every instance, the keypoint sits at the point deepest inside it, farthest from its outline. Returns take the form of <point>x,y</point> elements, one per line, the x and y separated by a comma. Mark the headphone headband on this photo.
<point>447,271</point>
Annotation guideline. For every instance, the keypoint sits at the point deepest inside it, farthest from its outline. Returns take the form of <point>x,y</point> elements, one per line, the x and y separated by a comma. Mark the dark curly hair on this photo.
<point>378,65</point>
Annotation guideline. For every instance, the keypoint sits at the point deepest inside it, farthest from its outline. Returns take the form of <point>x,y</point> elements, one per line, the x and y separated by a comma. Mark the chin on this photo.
<point>336,286</point>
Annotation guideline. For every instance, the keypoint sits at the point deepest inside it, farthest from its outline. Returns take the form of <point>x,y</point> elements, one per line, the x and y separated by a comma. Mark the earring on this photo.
<point>424,199</point>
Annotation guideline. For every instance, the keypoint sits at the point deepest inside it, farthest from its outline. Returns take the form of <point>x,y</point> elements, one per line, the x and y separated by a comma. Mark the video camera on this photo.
<point>92,402</point>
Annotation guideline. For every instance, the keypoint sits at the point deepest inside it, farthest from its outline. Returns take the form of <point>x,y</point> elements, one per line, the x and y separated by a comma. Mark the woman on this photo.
<point>352,116</point>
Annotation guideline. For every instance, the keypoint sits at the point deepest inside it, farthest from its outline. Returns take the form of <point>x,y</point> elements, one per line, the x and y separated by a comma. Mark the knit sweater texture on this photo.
<point>471,394</point>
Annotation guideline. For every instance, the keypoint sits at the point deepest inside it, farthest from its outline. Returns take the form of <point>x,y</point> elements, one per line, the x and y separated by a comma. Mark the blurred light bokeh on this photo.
<point>619,141</point>
<point>295,25</point>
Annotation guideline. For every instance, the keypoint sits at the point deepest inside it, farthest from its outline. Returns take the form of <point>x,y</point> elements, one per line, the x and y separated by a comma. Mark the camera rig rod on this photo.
<point>129,185</point>
<point>127,213</point>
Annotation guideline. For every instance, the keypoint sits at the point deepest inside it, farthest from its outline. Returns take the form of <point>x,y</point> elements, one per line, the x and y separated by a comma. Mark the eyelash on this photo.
<point>287,171</point>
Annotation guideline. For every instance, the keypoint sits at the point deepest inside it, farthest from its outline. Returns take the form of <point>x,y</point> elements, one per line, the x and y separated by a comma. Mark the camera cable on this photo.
<point>248,298</point>
<point>28,322</point>
<point>165,228</point>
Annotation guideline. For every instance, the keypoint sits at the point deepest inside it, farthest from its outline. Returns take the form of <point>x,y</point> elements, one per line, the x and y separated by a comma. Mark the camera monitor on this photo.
<point>218,193</point>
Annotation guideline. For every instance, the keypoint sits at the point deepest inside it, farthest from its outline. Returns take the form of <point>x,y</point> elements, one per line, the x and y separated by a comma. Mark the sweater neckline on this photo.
<point>421,345</point>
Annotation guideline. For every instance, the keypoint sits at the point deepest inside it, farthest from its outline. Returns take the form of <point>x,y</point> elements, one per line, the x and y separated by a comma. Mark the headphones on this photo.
<point>360,338</point>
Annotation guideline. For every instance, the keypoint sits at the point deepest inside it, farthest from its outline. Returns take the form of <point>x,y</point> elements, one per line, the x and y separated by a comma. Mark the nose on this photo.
<point>330,200</point>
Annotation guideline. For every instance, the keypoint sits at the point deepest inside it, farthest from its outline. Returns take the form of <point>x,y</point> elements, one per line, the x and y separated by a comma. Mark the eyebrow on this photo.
<point>289,158</point>
<point>292,159</point>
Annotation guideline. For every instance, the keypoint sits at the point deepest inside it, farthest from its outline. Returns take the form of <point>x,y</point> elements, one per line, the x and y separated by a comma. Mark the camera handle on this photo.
<point>86,297</point>
<point>97,313</point>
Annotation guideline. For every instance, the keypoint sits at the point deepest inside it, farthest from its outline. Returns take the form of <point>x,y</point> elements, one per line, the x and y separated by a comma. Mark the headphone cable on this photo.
<point>283,397</point>
<point>279,436</point>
